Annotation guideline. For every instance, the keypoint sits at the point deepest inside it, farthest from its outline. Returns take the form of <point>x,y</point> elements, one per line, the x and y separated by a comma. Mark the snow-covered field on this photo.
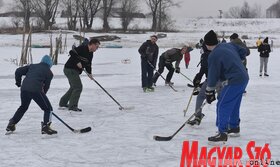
<point>125,138</point>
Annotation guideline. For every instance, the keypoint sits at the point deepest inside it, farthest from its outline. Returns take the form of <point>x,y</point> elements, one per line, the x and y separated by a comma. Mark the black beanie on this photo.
<point>234,36</point>
<point>211,38</point>
<point>265,40</point>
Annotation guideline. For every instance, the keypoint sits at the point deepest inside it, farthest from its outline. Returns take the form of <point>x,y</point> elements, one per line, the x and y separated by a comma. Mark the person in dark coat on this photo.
<point>200,86</point>
<point>264,50</point>
<point>225,65</point>
<point>234,38</point>
<point>166,59</point>
<point>34,87</point>
<point>80,59</point>
<point>149,54</point>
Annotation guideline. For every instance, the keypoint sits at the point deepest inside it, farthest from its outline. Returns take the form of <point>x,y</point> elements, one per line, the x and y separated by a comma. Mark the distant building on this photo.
<point>273,11</point>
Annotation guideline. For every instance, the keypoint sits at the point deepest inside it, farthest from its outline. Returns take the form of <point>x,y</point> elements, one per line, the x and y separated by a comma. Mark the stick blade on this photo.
<point>161,138</point>
<point>85,130</point>
<point>127,108</point>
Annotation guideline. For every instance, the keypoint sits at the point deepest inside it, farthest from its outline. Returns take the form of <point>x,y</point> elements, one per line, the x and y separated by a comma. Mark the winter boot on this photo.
<point>46,129</point>
<point>234,132</point>
<point>220,137</point>
<point>260,74</point>
<point>196,120</point>
<point>75,108</point>
<point>11,126</point>
<point>266,75</point>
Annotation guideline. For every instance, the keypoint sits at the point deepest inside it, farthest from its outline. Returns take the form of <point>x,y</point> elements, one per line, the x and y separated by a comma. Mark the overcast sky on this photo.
<point>205,8</point>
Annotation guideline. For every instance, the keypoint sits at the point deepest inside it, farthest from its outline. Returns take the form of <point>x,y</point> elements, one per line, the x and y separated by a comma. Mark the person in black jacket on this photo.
<point>166,59</point>
<point>196,82</point>
<point>149,54</point>
<point>80,58</point>
<point>264,50</point>
<point>34,87</point>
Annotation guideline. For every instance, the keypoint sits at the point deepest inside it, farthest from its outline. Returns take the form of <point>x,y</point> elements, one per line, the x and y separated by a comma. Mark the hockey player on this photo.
<point>196,82</point>
<point>166,60</point>
<point>149,54</point>
<point>34,87</point>
<point>80,58</point>
<point>225,64</point>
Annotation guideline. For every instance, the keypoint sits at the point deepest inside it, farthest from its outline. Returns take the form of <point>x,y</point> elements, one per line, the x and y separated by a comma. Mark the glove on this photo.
<point>210,96</point>
<point>196,81</point>
<point>18,84</point>
<point>177,69</point>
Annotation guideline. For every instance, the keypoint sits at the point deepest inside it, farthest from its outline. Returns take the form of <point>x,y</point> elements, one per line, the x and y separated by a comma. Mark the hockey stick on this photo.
<point>168,138</point>
<point>186,77</point>
<point>84,130</point>
<point>185,110</point>
<point>120,106</point>
<point>161,76</point>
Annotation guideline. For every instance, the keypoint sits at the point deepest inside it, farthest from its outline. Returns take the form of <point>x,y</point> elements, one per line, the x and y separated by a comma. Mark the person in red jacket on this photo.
<point>187,56</point>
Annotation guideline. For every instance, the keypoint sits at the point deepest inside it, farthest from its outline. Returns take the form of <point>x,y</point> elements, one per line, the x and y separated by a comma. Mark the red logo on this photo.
<point>224,156</point>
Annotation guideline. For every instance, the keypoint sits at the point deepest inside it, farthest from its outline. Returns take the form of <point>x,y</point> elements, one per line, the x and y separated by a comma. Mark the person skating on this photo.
<point>34,86</point>
<point>202,87</point>
<point>166,59</point>
<point>149,54</point>
<point>80,58</point>
<point>225,64</point>
<point>264,50</point>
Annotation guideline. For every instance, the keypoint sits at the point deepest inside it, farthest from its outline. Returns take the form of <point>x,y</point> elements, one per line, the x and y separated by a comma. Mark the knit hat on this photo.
<point>234,36</point>
<point>265,40</point>
<point>211,38</point>
<point>47,60</point>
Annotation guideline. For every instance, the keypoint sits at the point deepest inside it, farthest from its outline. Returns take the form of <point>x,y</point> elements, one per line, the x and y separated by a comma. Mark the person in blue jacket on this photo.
<point>34,86</point>
<point>225,65</point>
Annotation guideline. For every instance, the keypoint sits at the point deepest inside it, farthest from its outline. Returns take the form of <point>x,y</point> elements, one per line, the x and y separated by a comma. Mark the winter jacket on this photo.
<point>187,57</point>
<point>80,54</point>
<point>264,50</point>
<point>172,55</point>
<point>238,41</point>
<point>37,77</point>
<point>203,64</point>
<point>225,64</point>
<point>149,51</point>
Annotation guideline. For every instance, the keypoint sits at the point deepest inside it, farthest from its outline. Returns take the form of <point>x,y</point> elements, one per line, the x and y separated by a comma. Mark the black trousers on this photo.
<point>146,73</point>
<point>40,98</point>
<point>161,66</point>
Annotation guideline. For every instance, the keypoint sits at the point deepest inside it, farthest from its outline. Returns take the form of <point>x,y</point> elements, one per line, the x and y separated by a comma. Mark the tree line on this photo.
<point>80,14</point>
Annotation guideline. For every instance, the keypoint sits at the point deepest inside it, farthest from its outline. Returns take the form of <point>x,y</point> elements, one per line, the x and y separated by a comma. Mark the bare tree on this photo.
<point>244,11</point>
<point>25,7</point>
<point>234,12</point>
<point>153,5</point>
<point>88,9</point>
<point>71,9</point>
<point>107,6</point>
<point>128,7</point>
<point>46,10</point>
<point>158,9</point>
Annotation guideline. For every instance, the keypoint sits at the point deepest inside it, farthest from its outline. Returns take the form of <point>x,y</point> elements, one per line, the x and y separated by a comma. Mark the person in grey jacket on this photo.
<point>34,87</point>
<point>166,59</point>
